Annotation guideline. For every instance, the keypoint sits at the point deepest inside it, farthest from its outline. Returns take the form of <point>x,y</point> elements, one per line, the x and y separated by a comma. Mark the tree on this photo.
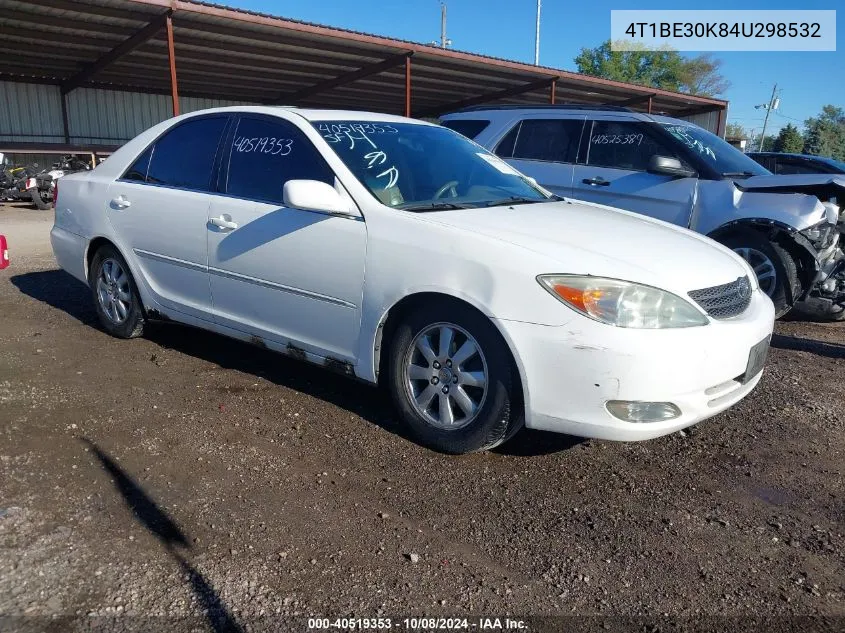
<point>825,134</point>
<point>659,69</point>
<point>735,130</point>
<point>788,140</point>
<point>664,68</point>
<point>754,143</point>
<point>700,76</point>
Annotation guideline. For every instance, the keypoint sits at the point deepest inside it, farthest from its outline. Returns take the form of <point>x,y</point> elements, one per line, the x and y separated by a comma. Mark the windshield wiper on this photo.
<point>435,206</point>
<point>730,174</point>
<point>516,200</point>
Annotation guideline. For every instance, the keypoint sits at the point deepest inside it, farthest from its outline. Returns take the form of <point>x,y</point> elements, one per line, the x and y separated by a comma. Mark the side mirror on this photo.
<point>313,195</point>
<point>666,166</point>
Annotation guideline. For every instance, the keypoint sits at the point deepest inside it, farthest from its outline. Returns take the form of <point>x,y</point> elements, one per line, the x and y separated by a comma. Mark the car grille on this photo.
<point>725,301</point>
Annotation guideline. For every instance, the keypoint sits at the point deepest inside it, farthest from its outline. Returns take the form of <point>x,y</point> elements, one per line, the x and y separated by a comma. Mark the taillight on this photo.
<point>4,253</point>
<point>55,194</point>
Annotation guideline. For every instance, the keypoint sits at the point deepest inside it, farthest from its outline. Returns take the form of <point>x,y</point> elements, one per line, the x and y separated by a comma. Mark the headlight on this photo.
<point>622,303</point>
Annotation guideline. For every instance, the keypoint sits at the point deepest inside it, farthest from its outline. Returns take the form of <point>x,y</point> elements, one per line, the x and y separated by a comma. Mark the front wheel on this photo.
<point>452,379</point>
<point>776,270</point>
<point>38,201</point>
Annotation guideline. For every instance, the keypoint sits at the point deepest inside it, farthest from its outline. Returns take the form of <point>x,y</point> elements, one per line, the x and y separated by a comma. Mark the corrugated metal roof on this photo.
<point>240,55</point>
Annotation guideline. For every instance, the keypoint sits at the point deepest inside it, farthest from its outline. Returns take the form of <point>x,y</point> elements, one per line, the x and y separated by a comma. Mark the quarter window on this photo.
<point>623,145</point>
<point>139,168</point>
<point>184,157</point>
<point>265,154</point>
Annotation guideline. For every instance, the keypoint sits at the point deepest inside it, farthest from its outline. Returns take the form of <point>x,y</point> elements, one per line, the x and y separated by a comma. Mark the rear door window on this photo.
<point>184,157</point>
<point>551,140</point>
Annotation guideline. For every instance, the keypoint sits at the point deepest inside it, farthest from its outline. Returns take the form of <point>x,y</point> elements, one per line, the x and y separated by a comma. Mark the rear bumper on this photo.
<point>571,372</point>
<point>69,251</point>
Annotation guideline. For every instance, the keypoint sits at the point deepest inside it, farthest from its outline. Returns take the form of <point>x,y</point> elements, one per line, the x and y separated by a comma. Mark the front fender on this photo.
<point>721,203</point>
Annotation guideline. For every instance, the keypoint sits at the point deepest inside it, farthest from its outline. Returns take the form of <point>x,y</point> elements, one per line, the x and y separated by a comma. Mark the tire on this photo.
<point>785,289</point>
<point>495,414</point>
<point>38,201</point>
<point>115,295</point>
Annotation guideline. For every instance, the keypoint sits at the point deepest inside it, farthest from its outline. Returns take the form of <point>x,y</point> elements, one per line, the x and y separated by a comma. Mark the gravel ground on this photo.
<point>186,481</point>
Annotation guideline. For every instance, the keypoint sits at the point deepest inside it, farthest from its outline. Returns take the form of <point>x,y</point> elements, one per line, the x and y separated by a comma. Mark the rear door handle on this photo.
<point>597,181</point>
<point>120,202</point>
<point>224,222</point>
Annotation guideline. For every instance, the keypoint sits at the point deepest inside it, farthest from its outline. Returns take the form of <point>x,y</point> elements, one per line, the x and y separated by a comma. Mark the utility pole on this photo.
<point>537,37</point>
<point>444,42</point>
<point>773,104</point>
<point>443,39</point>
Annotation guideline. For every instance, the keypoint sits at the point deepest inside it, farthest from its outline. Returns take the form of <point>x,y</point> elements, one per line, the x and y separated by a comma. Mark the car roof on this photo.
<point>567,109</point>
<point>790,155</point>
<point>313,114</point>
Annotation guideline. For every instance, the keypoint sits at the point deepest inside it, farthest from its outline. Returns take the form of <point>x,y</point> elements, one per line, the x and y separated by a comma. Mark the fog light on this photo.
<point>633,411</point>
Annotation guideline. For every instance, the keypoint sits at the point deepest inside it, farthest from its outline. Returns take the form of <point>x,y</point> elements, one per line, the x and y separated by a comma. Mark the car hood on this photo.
<point>590,239</point>
<point>790,181</point>
<point>825,187</point>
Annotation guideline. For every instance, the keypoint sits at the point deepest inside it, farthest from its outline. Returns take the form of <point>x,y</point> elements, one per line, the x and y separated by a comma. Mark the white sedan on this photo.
<point>401,253</point>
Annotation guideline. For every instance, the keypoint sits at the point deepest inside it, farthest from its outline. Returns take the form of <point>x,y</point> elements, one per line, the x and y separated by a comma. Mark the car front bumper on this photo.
<point>570,372</point>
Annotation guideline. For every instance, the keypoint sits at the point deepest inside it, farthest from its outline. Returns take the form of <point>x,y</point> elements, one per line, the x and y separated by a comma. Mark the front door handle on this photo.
<point>224,222</point>
<point>120,202</point>
<point>597,181</point>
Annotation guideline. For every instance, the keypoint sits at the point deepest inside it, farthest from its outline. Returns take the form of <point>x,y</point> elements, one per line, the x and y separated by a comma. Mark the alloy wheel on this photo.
<point>446,376</point>
<point>113,291</point>
<point>763,267</point>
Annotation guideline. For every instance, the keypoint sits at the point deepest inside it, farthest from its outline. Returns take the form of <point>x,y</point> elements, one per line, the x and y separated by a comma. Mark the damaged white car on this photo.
<point>399,252</point>
<point>673,170</point>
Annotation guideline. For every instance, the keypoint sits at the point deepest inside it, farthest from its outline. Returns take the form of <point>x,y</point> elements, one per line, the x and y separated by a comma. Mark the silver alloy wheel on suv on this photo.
<point>762,266</point>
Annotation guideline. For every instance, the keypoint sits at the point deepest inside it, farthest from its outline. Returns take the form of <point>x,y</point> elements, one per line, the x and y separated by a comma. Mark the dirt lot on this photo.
<point>185,480</point>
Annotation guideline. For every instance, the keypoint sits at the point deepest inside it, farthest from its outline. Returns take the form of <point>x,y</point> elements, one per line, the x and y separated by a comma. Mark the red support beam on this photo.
<point>171,56</point>
<point>124,48</point>
<point>408,86</point>
<point>345,78</point>
<point>487,98</point>
<point>552,90</point>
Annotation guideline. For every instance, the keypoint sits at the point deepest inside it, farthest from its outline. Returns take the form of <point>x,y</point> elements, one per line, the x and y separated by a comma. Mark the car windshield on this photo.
<point>425,167</point>
<point>722,156</point>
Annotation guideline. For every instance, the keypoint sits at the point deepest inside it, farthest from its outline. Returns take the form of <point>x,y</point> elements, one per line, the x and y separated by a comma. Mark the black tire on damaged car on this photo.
<point>500,415</point>
<point>38,201</point>
<point>787,286</point>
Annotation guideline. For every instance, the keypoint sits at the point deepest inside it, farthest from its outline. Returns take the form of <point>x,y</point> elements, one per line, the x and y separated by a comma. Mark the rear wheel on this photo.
<point>115,295</point>
<point>776,270</point>
<point>452,379</point>
<point>38,201</point>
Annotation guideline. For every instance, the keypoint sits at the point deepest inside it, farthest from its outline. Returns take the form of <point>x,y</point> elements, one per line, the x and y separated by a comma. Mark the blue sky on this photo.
<point>505,28</point>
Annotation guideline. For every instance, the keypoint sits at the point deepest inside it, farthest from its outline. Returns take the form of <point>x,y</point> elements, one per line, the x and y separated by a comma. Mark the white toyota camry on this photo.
<point>400,252</point>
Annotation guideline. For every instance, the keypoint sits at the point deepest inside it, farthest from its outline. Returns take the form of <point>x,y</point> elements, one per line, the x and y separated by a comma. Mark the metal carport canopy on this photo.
<point>183,47</point>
